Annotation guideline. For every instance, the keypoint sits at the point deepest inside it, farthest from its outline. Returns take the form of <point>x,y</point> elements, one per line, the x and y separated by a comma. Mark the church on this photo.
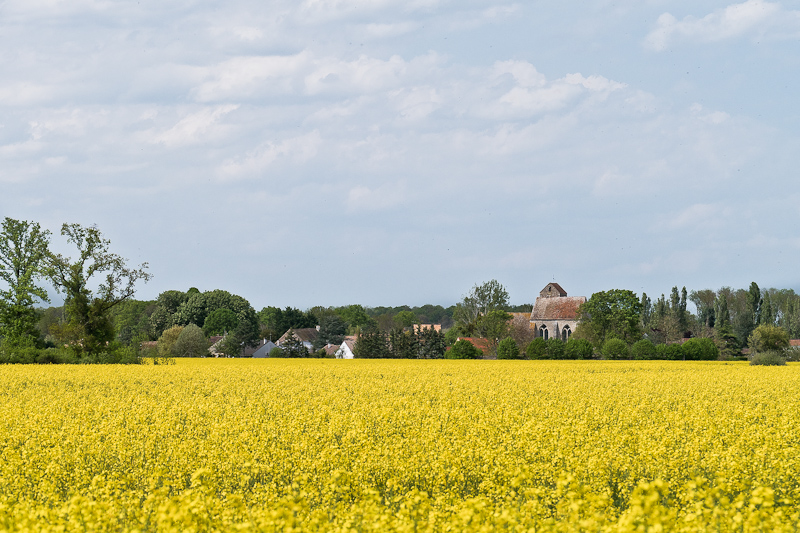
<point>555,314</point>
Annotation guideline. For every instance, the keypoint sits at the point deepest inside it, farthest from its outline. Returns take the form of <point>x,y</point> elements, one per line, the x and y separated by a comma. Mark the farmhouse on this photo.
<point>555,314</point>
<point>306,335</point>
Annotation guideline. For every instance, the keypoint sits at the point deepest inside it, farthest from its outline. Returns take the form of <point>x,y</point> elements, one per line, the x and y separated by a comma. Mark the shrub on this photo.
<point>669,352</point>
<point>276,352</point>
<point>190,343</point>
<point>463,349</point>
<point>536,349</point>
<point>768,358</point>
<point>167,340</point>
<point>615,349</point>
<point>555,348</point>
<point>578,349</point>
<point>700,349</point>
<point>643,349</point>
<point>768,338</point>
<point>508,349</point>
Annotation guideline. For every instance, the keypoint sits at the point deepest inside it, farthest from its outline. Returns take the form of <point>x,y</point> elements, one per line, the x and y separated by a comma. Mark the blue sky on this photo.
<point>386,152</point>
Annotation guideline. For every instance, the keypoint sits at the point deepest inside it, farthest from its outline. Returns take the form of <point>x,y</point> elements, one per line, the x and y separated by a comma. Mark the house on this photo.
<point>331,349</point>
<point>262,350</point>
<point>215,342</point>
<point>306,335</point>
<point>422,327</point>
<point>345,350</point>
<point>554,313</point>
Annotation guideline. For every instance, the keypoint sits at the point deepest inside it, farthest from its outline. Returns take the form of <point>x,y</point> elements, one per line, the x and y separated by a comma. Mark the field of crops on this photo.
<point>307,445</point>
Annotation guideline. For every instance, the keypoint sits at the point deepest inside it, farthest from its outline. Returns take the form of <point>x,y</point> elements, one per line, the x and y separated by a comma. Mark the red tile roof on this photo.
<point>562,308</point>
<point>480,343</point>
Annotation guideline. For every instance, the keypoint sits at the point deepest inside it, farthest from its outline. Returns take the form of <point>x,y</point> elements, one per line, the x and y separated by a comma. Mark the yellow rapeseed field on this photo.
<point>305,445</point>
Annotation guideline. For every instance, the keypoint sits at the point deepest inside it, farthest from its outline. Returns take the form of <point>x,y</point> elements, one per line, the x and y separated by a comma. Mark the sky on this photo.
<point>398,152</point>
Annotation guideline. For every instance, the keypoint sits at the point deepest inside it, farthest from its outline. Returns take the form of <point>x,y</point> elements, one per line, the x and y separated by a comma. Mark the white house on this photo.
<point>345,351</point>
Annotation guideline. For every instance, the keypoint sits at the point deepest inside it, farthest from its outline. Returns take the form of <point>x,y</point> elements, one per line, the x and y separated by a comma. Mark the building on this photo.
<point>345,350</point>
<point>555,314</point>
<point>306,335</point>
<point>262,350</point>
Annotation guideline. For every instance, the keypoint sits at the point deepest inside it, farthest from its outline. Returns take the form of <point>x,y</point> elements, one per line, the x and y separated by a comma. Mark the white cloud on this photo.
<point>416,103</point>
<point>297,150</point>
<point>700,217</point>
<point>756,17</point>
<point>362,198</point>
<point>193,127</point>
<point>247,77</point>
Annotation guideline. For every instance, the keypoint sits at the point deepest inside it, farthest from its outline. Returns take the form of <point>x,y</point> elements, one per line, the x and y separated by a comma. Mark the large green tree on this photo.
<point>200,305</point>
<point>481,300</point>
<point>167,305</point>
<point>89,328</point>
<point>220,321</point>
<point>332,330</point>
<point>611,314</point>
<point>190,343</point>
<point>23,262</point>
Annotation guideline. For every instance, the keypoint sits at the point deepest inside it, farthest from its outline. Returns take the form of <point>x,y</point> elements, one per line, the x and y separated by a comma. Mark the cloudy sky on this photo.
<point>389,152</point>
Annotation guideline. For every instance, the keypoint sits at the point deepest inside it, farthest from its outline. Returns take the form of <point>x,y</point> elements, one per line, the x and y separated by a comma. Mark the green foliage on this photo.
<point>615,349</point>
<point>332,330</point>
<point>371,344</point>
<point>576,348</point>
<point>277,352</point>
<point>613,313</point>
<point>405,319</point>
<point>403,344</point>
<point>768,338</point>
<point>131,320</point>
<point>89,329</point>
<point>536,349</point>
<point>199,306</point>
<point>451,335</point>
<point>482,300</point>
<point>768,358</point>
<point>555,348</point>
<point>167,340</point>
<point>355,316</point>
<point>508,349</point>
<point>190,343</point>
<point>15,354</point>
<point>670,352</point>
<point>494,325</point>
<point>432,344</point>
<point>275,322</point>
<point>23,258</point>
<point>700,349</point>
<point>464,349</point>
<point>220,321</point>
<point>643,349</point>
<point>163,315</point>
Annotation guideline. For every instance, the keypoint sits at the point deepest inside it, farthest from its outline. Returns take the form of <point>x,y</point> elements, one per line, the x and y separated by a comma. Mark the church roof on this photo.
<point>560,308</point>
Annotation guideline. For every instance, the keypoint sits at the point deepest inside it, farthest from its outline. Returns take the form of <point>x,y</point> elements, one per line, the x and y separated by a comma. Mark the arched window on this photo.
<point>565,333</point>
<point>544,333</point>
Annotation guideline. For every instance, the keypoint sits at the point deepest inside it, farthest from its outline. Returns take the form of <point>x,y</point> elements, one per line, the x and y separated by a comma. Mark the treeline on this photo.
<point>728,322</point>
